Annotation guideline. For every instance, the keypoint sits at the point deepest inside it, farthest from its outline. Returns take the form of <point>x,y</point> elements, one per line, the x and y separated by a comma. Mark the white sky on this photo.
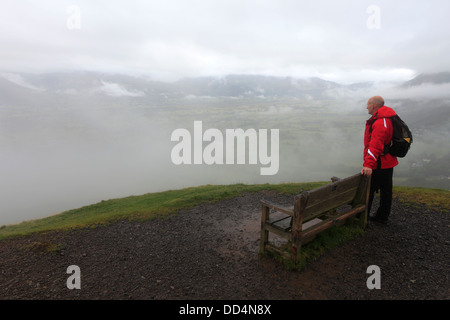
<point>176,38</point>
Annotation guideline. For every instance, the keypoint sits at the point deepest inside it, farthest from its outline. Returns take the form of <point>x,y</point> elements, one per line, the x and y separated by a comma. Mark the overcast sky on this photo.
<point>343,41</point>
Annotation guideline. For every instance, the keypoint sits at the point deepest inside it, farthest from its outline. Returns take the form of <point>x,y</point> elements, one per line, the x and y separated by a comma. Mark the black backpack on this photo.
<point>401,138</point>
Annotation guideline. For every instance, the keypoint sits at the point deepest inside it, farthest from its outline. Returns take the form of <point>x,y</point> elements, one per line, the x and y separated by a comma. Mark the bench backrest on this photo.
<point>331,196</point>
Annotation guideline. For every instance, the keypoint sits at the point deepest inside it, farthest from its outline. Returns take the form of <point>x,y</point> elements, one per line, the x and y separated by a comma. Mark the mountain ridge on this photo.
<point>120,85</point>
<point>24,88</point>
<point>433,78</point>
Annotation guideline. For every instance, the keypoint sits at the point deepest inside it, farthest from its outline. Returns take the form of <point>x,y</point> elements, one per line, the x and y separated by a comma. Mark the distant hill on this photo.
<point>103,88</point>
<point>254,85</point>
<point>142,89</point>
<point>434,78</point>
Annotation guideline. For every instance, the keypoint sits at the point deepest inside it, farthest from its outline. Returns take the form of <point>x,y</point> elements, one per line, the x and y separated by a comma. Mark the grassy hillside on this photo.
<point>145,206</point>
<point>161,204</point>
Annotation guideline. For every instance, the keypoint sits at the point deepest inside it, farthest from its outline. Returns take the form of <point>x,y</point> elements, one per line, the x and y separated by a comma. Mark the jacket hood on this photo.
<point>385,112</point>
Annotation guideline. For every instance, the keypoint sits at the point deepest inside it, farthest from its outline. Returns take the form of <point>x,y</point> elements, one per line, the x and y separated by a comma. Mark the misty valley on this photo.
<point>69,140</point>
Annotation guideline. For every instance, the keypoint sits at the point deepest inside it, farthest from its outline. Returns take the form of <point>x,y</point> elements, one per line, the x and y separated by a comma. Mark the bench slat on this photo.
<point>328,203</point>
<point>283,223</point>
<point>327,223</point>
<point>337,187</point>
<point>336,194</point>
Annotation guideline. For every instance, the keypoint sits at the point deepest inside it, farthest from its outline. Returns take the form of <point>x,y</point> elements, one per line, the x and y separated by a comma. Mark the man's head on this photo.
<point>374,104</point>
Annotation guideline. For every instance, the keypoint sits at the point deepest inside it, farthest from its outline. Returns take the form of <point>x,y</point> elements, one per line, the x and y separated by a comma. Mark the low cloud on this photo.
<point>17,79</point>
<point>174,38</point>
<point>392,91</point>
<point>116,90</point>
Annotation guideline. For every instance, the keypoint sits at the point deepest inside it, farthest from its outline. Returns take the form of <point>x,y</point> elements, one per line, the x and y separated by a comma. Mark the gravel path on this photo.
<point>211,252</point>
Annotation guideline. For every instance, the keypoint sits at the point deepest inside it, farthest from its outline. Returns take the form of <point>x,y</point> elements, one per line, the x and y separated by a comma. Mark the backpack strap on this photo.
<point>374,118</point>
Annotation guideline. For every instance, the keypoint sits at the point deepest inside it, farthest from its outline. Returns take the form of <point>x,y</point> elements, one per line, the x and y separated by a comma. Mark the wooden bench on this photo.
<point>313,212</point>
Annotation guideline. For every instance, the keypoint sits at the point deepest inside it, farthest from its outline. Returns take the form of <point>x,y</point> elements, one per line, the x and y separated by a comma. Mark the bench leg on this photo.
<point>264,232</point>
<point>299,203</point>
<point>363,197</point>
<point>296,247</point>
<point>363,218</point>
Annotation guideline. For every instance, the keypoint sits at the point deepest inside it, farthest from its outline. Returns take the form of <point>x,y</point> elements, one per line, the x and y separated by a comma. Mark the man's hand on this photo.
<point>366,171</point>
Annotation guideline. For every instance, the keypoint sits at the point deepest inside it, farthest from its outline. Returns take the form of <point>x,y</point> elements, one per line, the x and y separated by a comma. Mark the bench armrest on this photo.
<point>277,207</point>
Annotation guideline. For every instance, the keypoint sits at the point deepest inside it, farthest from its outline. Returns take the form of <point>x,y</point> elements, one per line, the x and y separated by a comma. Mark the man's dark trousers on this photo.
<point>382,180</point>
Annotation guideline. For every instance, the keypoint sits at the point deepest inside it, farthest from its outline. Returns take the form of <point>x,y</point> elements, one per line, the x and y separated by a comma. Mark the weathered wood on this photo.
<point>265,216</point>
<point>331,222</point>
<point>341,184</point>
<point>310,224</point>
<point>271,248</point>
<point>283,223</point>
<point>362,197</point>
<point>278,231</point>
<point>334,203</point>
<point>297,223</point>
<point>277,207</point>
<point>328,201</point>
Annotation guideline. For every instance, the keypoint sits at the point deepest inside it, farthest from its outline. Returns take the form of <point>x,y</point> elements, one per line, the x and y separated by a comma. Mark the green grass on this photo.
<point>432,198</point>
<point>43,246</point>
<point>147,206</point>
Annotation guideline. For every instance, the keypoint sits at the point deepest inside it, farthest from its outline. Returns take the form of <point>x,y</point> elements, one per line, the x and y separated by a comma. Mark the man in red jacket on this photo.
<point>377,164</point>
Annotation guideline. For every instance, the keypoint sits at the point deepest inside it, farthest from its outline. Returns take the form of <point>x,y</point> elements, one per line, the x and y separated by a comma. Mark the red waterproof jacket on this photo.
<point>376,138</point>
